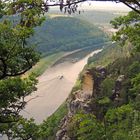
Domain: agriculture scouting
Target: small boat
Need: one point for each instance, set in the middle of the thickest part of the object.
(74, 60)
(61, 77)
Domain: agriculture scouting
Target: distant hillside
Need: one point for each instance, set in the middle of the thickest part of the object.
(66, 34)
(99, 17)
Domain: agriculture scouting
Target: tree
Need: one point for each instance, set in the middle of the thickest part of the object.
(128, 29)
(119, 123)
(136, 85)
(134, 69)
(17, 56)
(24, 130)
(70, 6)
(85, 126)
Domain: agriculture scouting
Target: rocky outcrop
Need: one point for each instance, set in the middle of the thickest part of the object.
(87, 83)
(80, 99)
(100, 74)
(116, 92)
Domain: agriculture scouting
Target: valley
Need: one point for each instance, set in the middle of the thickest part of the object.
(70, 49)
(70, 72)
(54, 86)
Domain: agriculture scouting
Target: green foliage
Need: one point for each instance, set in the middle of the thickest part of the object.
(85, 126)
(24, 129)
(15, 59)
(122, 135)
(136, 85)
(134, 69)
(107, 86)
(121, 122)
(129, 29)
(2, 5)
(118, 114)
(77, 86)
(104, 101)
(17, 56)
(72, 34)
(30, 12)
(110, 53)
(13, 91)
(50, 126)
(117, 102)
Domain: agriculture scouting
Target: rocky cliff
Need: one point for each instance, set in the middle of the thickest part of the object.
(80, 100)
(83, 99)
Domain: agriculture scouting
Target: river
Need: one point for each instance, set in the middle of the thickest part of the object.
(53, 88)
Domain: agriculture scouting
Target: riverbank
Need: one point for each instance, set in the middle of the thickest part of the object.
(53, 90)
(60, 57)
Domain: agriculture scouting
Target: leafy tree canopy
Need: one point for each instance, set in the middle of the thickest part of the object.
(128, 29)
(16, 57)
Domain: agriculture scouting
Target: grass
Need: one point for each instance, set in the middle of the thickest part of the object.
(44, 63)
(77, 85)
(50, 126)
(110, 54)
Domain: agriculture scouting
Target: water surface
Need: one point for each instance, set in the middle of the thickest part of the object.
(53, 88)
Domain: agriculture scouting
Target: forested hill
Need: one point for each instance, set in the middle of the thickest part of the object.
(66, 34)
(99, 17)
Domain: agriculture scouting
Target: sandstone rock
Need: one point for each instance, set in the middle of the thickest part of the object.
(60, 134)
(81, 98)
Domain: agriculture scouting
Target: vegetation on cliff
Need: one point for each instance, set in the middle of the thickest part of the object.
(112, 113)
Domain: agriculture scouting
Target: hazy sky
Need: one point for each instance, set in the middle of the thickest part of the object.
(105, 6)
(101, 6)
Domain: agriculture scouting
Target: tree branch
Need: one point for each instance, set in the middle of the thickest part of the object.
(4, 69)
(19, 73)
(123, 1)
(138, 11)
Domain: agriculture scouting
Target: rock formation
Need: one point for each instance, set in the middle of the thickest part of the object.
(81, 99)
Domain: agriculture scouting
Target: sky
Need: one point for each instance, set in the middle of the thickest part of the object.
(105, 6)
(96, 5)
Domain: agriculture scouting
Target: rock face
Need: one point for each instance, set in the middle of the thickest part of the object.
(80, 99)
(88, 83)
(99, 75)
(117, 90)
